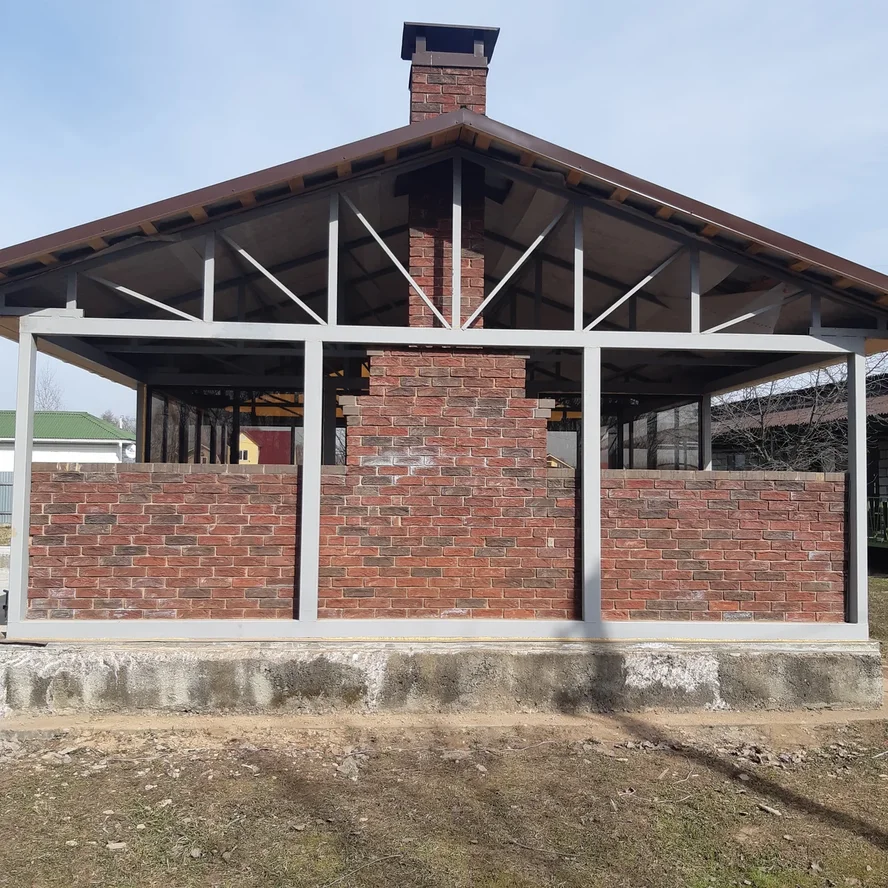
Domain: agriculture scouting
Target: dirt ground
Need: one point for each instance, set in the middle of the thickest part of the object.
(655, 801)
(616, 801)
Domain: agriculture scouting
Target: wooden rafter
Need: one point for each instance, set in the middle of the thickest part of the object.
(664, 213)
(710, 230)
(618, 195)
(574, 177)
(483, 142)
(199, 214)
(148, 228)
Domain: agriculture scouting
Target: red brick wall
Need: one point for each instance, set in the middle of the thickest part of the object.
(163, 541)
(446, 507)
(723, 546)
(435, 90)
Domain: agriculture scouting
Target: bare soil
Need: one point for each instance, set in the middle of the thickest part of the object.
(616, 801)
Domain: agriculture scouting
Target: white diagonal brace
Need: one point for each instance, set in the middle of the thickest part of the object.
(385, 249)
(141, 297)
(639, 286)
(264, 271)
(514, 269)
(779, 303)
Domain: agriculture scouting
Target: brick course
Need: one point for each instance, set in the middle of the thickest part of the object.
(435, 90)
(446, 506)
(723, 546)
(163, 541)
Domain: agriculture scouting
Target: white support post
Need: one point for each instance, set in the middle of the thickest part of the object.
(309, 530)
(209, 276)
(333, 261)
(141, 416)
(816, 322)
(857, 604)
(578, 267)
(705, 430)
(456, 248)
(695, 289)
(590, 520)
(21, 479)
(71, 291)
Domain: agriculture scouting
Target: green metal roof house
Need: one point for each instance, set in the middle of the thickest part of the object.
(66, 436)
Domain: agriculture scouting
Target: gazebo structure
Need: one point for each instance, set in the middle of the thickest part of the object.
(591, 317)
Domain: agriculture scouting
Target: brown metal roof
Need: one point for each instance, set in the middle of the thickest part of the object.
(668, 208)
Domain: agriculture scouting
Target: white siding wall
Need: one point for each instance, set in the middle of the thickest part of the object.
(60, 453)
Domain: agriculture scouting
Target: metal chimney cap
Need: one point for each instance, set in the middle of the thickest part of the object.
(462, 46)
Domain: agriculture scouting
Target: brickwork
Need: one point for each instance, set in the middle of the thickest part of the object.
(723, 546)
(163, 541)
(430, 258)
(436, 90)
(446, 507)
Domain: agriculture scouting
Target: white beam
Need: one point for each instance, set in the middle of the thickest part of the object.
(857, 601)
(310, 518)
(579, 279)
(21, 479)
(785, 299)
(71, 292)
(456, 248)
(209, 276)
(514, 269)
(694, 255)
(639, 286)
(333, 261)
(435, 336)
(269, 276)
(590, 498)
(453, 630)
(141, 297)
(394, 259)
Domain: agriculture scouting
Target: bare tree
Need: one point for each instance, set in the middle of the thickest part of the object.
(127, 423)
(793, 424)
(48, 391)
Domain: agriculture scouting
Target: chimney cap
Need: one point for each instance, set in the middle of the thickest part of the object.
(459, 46)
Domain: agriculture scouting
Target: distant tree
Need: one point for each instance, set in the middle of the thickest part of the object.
(127, 423)
(48, 391)
(794, 424)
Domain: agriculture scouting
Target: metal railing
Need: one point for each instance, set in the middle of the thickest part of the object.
(877, 521)
(5, 497)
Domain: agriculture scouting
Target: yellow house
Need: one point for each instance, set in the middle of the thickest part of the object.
(249, 450)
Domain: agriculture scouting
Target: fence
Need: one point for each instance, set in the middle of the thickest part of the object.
(5, 497)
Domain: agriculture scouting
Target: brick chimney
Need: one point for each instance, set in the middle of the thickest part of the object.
(448, 71)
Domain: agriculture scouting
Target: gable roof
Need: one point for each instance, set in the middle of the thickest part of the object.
(665, 208)
(66, 425)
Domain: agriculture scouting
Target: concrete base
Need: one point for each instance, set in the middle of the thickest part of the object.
(436, 677)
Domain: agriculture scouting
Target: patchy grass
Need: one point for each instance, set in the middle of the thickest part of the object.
(479, 807)
(5, 534)
(878, 611)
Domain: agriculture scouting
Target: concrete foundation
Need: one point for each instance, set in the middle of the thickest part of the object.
(435, 677)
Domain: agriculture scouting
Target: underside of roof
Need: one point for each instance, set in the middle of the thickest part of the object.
(276, 223)
(464, 127)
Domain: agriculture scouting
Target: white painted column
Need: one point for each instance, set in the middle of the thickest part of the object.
(209, 278)
(310, 531)
(456, 248)
(141, 420)
(857, 602)
(705, 432)
(578, 267)
(333, 261)
(21, 479)
(694, 258)
(590, 519)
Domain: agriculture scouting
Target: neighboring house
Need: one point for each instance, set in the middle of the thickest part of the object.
(248, 450)
(67, 436)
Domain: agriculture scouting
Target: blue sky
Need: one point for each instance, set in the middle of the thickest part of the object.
(773, 111)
